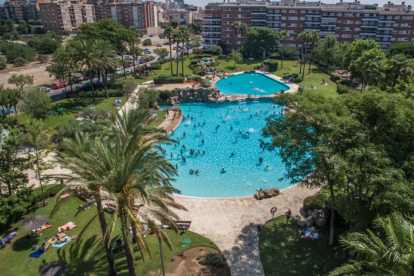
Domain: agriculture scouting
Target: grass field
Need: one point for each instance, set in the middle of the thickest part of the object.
(72, 111)
(83, 260)
(284, 251)
(160, 119)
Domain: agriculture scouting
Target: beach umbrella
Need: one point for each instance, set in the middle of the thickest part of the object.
(34, 222)
(55, 268)
(255, 90)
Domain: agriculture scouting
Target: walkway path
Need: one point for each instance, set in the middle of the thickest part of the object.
(232, 224)
(171, 122)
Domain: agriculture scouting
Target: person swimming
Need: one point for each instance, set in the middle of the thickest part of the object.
(176, 166)
(171, 154)
(194, 125)
(267, 167)
(236, 138)
(184, 134)
(251, 115)
(231, 128)
(175, 145)
(204, 151)
(196, 172)
(198, 123)
(223, 170)
(230, 82)
(184, 147)
(260, 159)
(232, 153)
(202, 141)
(191, 171)
(198, 151)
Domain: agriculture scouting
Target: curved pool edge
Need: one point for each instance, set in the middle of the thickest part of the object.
(293, 86)
(236, 197)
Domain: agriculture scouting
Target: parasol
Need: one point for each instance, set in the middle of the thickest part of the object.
(34, 222)
(55, 268)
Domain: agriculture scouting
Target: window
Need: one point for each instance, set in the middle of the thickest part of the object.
(349, 14)
(293, 11)
(338, 21)
(395, 17)
(395, 25)
(283, 25)
(404, 32)
(405, 25)
(348, 22)
(346, 36)
(230, 15)
(357, 29)
(284, 11)
(356, 36)
(302, 11)
(292, 18)
(394, 32)
(357, 22)
(224, 15)
(292, 25)
(249, 15)
(392, 39)
(248, 23)
(402, 39)
(407, 18)
(224, 35)
(283, 17)
(248, 9)
(337, 35)
(339, 14)
(302, 18)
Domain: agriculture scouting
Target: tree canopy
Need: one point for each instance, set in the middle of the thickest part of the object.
(261, 40)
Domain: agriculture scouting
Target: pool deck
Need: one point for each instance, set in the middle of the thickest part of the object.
(232, 223)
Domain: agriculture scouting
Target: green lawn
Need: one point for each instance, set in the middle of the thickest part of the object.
(72, 111)
(159, 120)
(284, 251)
(83, 260)
(314, 78)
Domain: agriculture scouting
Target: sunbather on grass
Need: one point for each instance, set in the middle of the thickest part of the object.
(66, 239)
(44, 247)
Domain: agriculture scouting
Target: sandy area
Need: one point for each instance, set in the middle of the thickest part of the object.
(172, 86)
(36, 69)
(186, 264)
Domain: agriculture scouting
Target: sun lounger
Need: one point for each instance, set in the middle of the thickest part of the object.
(64, 196)
(47, 225)
(9, 237)
(65, 227)
(37, 253)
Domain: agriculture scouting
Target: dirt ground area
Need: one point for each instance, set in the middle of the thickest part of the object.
(171, 86)
(36, 69)
(186, 264)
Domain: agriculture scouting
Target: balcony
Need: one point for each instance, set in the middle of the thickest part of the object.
(368, 32)
(274, 13)
(210, 24)
(369, 26)
(369, 18)
(329, 16)
(385, 28)
(313, 21)
(327, 31)
(312, 28)
(383, 42)
(256, 12)
(386, 20)
(314, 14)
(259, 19)
(211, 31)
(211, 18)
(384, 34)
(274, 20)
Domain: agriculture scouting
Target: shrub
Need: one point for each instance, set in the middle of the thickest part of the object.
(147, 42)
(274, 56)
(345, 82)
(69, 128)
(164, 95)
(197, 71)
(148, 97)
(162, 79)
(198, 52)
(257, 67)
(298, 79)
(201, 56)
(273, 64)
(317, 201)
(342, 89)
(301, 88)
(19, 61)
(3, 65)
(215, 50)
(221, 57)
(42, 58)
(154, 66)
(335, 77)
(327, 71)
(196, 78)
(209, 258)
(286, 77)
(102, 93)
(194, 61)
(205, 83)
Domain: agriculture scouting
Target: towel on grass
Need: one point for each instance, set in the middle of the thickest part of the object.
(47, 225)
(79, 107)
(9, 237)
(70, 224)
(61, 244)
(64, 196)
(315, 235)
(37, 253)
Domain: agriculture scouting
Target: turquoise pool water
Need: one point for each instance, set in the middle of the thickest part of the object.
(244, 84)
(244, 173)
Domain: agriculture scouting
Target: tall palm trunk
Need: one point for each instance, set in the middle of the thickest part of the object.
(235, 38)
(133, 56)
(71, 82)
(136, 237)
(283, 53)
(332, 223)
(169, 39)
(105, 80)
(394, 83)
(128, 250)
(91, 80)
(310, 61)
(182, 60)
(300, 64)
(304, 64)
(123, 65)
(107, 241)
(178, 59)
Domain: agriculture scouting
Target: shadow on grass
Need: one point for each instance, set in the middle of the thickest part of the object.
(23, 244)
(84, 260)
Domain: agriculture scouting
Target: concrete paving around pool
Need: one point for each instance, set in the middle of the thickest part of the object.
(232, 224)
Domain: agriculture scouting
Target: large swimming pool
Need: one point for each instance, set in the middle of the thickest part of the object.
(244, 84)
(212, 123)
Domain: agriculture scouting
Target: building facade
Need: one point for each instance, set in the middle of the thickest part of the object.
(65, 15)
(183, 17)
(346, 21)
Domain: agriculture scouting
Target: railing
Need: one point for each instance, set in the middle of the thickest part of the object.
(312, 21)
(316, 14)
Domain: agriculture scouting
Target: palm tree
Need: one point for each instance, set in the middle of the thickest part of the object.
(377, 71)
(85, 53)
(364, 63)
(242, 28)
(399, 66)
(169, 32)
(135, 40)
(106, 52)
(185, 37)
(284, 35)
(376, 255)
(305, 37)
(314, 38)
(235, 26)
(177, 37)
(76, 158)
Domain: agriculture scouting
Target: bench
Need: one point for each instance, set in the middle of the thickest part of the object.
(182, 224)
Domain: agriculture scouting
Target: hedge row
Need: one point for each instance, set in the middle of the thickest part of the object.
(169, 79)
(102, 93)
(194, 61)
(202, 56)
(273, 64)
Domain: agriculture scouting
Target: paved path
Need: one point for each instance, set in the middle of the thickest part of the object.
(232, 224)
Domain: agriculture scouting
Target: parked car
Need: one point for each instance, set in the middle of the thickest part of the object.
(42, 88)
(167, 43)
(119, 68)
(159, 58)
(151, 35)
(147, 49)
(159, 45)
(59, 85)
(141, 61)
(86, 84)
(147, 52)
(153, 57)
(128, 66)
(85, 78)
(127, 71)
(175, 47)
(129, 58)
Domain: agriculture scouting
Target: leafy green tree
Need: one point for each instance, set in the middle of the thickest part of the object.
(162, 52)
(261, 40)
(399, 67)
(169, 33)
(106, 54)
(12, 207)
(42, 58)
(11, 165)
(284, 35)
(177, 38)
(215, 50)
(173, 24)
(328, 52)
(236, 57)
(39, 22)
(185, 37)
(134, 41)
(365, 62)
(147, 42)
(196, 41)
(63, 65)
(405, 48)
(235, 27)
(20, 80)
(128, 87)
(38, 103)
(195, 27)
(19, 62)
(40, 148)
(13, 96)
(374, 254)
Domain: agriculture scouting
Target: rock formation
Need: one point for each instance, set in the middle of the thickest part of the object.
(185, 95)
(266, 193)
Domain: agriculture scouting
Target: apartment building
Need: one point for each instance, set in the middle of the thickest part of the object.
(183, 17)
(141, 15)
(346, 21)
(3, 13)
(21, 9)
(65, 15)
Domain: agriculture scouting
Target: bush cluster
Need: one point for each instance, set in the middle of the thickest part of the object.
(164, 95)
(335, 77)
(210, 258)
(204, 83)
(148, 97)
(273, 64)
(327, 71)
(163, 79)
(102, 93)
(342, 89)
(298, 79)
(202, 56)
(147, 42)
(194, 61)
(345, 82)
(19, 61)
